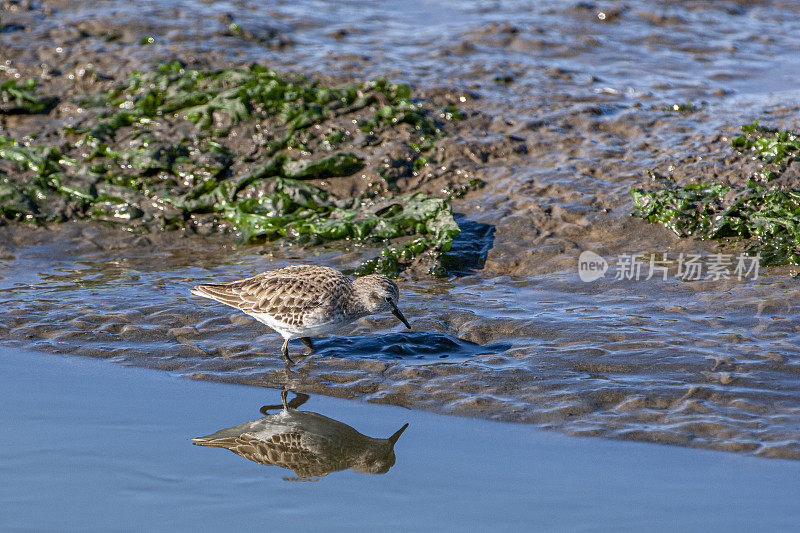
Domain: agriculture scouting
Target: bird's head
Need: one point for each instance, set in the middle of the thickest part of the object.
(379, 294)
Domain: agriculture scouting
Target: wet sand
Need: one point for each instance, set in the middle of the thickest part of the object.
(89, 446)
(567, 110)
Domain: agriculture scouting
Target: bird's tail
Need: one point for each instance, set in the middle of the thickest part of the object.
(220, 292)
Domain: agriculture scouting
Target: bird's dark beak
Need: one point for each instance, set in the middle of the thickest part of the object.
(393, 438)
(396, 312)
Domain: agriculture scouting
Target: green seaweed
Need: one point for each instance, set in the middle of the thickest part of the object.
(767, 216)
(15, 203)
(773, 147)
(118, 168)
(330, 166)
(43, 161)
(23, 98)
(300, 211)
(238, 94)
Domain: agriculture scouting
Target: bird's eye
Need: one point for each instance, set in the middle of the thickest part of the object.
(388, 299)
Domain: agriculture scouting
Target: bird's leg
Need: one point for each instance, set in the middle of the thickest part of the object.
(284, 395)
(265, 409)
(285, 351)
(299, 399)
(308, 344)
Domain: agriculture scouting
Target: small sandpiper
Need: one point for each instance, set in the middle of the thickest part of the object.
(310, 444)
(304, 301)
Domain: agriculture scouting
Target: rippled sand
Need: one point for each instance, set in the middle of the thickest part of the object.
(571, 110)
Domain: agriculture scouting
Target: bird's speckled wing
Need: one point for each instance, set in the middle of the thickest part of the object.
(287, 450)
(292, 295)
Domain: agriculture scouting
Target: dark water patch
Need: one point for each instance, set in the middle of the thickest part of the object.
(413, 346)
(470, 247)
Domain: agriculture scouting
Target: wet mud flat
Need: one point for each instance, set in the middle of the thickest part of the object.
(559, 127)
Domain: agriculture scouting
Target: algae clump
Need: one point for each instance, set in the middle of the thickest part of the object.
(768, 216)
(118, 164)
(23, 98)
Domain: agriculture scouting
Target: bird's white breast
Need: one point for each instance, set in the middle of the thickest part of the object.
(310, 327)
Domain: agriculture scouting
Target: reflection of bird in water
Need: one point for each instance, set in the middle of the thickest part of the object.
(307, 443)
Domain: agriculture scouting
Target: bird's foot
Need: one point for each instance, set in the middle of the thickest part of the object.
(309, 344)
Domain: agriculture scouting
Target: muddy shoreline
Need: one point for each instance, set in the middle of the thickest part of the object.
(559, 127)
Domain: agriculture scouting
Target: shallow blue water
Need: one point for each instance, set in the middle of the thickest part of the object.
(88, 446)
